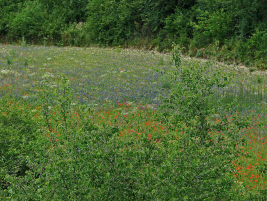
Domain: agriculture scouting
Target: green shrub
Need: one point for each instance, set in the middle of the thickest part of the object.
(70, 11)
(17, 132)
(216, 25)
(76, 34)
(177, 24)
(8, 10)
(109, 21)
(254, 49)
(189, 98)
(28, 23)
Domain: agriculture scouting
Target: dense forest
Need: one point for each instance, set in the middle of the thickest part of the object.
(226, 30)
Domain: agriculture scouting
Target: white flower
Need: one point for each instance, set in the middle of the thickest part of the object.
(47, 74)
(7, 72)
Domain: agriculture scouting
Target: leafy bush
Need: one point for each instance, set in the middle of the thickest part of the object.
(254, 49)
(189, 98)
(8, 9)
(109, 21)
(76, 34)
(71, 11)
(93, 163)
(216, 25)
(17, 132)
(178, 27)
(28, 23)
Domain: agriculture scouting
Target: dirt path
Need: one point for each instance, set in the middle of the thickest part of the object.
(167, 56)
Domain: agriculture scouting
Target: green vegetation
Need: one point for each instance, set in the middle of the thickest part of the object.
(114, 124)
(223, 30)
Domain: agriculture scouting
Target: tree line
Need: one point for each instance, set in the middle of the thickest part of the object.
(228, 30)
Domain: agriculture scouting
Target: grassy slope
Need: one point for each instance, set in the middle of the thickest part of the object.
(105, 77)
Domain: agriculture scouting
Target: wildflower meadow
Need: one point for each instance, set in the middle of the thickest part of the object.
(121, 124)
